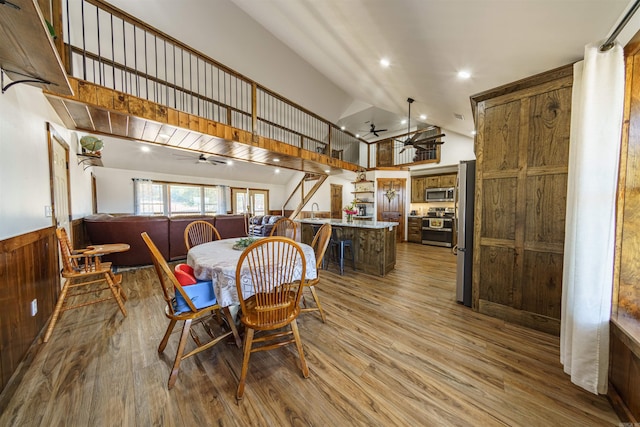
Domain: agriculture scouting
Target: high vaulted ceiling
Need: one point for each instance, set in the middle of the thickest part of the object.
(340, 43)
(427, 42)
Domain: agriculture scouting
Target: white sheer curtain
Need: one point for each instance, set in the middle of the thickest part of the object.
(142, 195)
(223, 199)
(596, 123)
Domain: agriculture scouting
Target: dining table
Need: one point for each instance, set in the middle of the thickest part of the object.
(217, 261)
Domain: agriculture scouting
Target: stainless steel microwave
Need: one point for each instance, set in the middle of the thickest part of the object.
(439, 194)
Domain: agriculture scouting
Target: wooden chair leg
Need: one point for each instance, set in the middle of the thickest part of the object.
(165, 339)
(317, 300)
(56, 311)
(248, 341)
(176, 364)
(296, 335)
(117, 280)
(232, 325)
(116, 293)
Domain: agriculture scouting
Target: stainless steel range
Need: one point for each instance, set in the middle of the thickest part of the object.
(437, 227)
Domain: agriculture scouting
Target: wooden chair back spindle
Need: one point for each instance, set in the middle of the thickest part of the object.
(284, 227)
(199, 232)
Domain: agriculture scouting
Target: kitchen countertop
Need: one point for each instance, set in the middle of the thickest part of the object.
(354, 224)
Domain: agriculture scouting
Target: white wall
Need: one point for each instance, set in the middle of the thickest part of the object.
(24, 163)
(323, 196)
(115, 188)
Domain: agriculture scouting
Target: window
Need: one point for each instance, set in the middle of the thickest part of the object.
(172, 199)
(252, 201)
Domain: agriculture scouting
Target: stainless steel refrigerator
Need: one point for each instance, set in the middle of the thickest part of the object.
(466, 197)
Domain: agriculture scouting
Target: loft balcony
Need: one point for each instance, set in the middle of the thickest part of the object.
(129, 80)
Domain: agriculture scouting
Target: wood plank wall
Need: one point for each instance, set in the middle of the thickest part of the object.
(624, 349)
(522, 148)
(28, 271)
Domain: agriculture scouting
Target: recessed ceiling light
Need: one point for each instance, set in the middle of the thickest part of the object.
(327, 170)
(145, 149)
(403, 122)
(276, 159)
(473, 132)
(277, 171)
(384, 62)
(423, 117)
(464, 74)
(229, 162)
(357, 135)
(342, 127)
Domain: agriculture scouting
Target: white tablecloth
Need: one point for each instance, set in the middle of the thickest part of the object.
(217, 261)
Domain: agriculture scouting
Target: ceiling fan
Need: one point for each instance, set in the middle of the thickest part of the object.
(418, 140)
(202, 158)
(374, 131)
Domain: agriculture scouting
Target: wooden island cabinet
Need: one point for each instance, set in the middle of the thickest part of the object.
(374, 242)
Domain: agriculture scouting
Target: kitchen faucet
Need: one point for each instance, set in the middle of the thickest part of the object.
(313, 215)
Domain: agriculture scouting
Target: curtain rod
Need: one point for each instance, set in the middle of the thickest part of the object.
(608, 44)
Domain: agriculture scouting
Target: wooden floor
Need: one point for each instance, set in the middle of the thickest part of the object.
(395, 351)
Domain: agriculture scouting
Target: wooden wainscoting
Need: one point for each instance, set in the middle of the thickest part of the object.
(624, 372)
(79, 234)
(28, 271)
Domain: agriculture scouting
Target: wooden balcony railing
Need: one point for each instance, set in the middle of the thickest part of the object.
(105, 46)
(407, 150)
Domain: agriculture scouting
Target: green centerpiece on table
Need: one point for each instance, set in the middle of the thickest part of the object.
(242, 244)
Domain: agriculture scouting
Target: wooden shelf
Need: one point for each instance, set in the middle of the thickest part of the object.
(88, 160)
(27, 52)
(359, 192)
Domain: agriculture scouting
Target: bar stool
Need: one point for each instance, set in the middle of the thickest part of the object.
(338, 244)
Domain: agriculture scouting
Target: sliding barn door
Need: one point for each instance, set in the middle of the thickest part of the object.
(522, 149)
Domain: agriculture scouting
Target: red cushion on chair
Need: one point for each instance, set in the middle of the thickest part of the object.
(184, 274)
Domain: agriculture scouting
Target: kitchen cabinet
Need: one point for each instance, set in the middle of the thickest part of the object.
(522, 151)
(417, 189)
(420, 183)
(440, 181)
(448, 180)
(415, 229)
(432, 182)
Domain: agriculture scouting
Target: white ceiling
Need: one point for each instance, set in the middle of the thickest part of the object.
(128, 155)
(427, 43)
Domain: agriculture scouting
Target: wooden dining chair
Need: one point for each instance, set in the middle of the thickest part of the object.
(271, 267)
(284, 227)
(84, 274)
(189, 304)
(319, 245)
(199, 232)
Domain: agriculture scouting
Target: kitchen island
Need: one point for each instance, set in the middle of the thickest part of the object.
(374, 242)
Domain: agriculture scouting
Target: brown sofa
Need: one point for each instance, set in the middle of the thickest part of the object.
(127, 229)
(166, 233)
